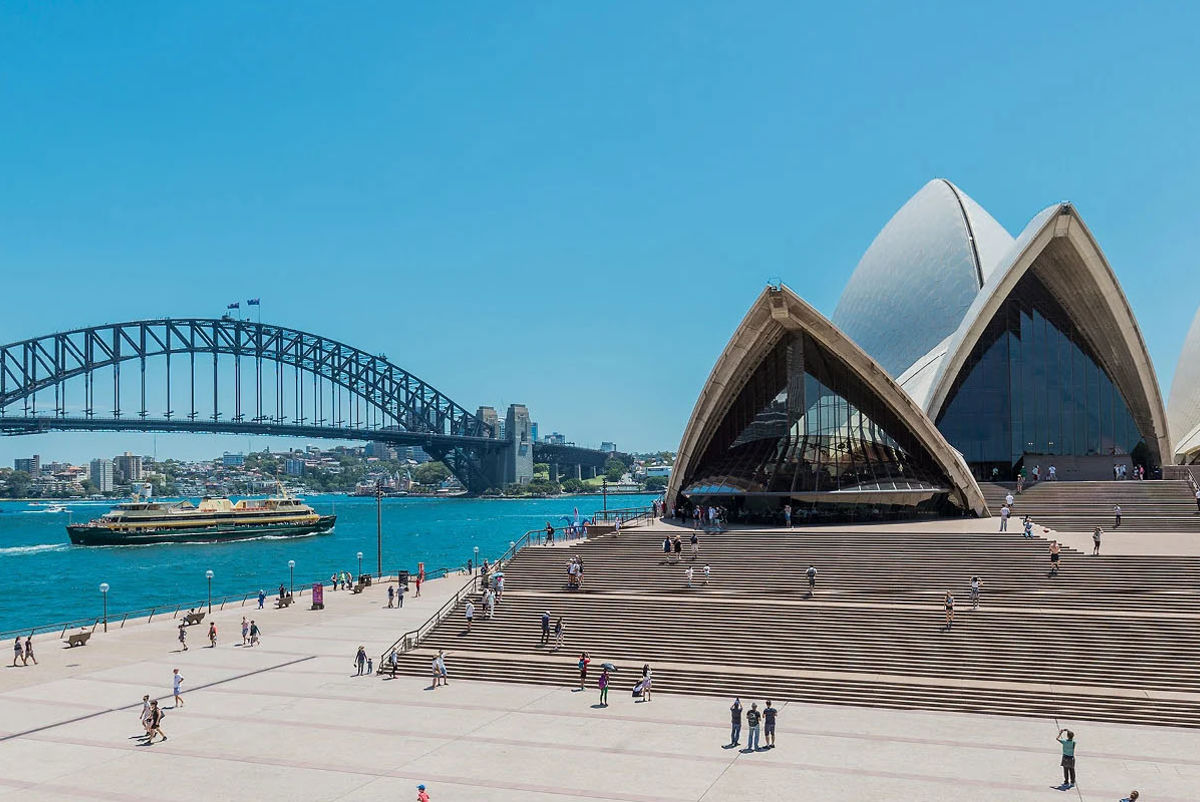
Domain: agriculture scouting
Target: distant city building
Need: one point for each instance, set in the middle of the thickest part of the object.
(556, 439)
(607, 446)
(380, 450)
(233, 460)
(31, 465)
(293, 467)
(488, 415)
(533, 432)
(127, 468)
(100, 471)
(658, 470)
(417, 454)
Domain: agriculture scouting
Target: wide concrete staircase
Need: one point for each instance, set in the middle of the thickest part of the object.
(1148, 506)
(1109, 638)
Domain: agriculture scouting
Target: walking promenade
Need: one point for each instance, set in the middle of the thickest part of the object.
(289, 719)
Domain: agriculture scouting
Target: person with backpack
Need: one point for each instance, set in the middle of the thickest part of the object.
(811, 573)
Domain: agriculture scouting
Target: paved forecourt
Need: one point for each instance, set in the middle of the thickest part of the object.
(289, 719)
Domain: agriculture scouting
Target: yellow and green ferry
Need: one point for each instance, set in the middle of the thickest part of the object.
(214, 519)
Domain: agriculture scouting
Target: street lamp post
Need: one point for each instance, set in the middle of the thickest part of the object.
(476, 558)
(604, 492)
(209, 575)
(104, 596)
(360, 563)
(291, 576)
(378, 530)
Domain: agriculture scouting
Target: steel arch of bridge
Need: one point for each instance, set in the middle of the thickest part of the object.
(399, 407)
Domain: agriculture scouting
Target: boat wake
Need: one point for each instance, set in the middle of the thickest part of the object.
(16, 551)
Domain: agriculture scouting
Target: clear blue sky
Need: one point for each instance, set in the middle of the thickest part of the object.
(561, 204)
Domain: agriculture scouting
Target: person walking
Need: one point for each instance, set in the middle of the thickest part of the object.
(689, 572)
(470, 613)
(559, 629)
(400, 586)
(1004, 513)
(1053, 476)
(360, 661)
(1117, 516)
(584, 659)
(753, 718)
(176, 689)
(1068, 758)
(1096, 535)
(976, 586)
(949, 603)
(144, 718)
(391, 597)
(647, 678)
(1055, 557)
(245, 631)
(1198, 501)
(254, 633)
(182, 637)
(602, 683)
(545, 628)
(1008, 499)
(667, 547)
(707, 571)
(735, 723)
(18, 651)
(769, 715)
(441, 667)
(811, 573)
(155, 725)
(212, 634)
(419, 580)
(422, 794)
(262, 598)
(695, 546)
(678, 544)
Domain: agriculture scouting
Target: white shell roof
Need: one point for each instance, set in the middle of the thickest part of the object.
(916, 280)
(1183, 406)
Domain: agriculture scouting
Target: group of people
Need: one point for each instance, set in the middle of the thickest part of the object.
(338, 580)
(759, 722)
(364, 664)
(250, 632)
(673, 547)
(575, 573)
(23, 651)
(559, 631)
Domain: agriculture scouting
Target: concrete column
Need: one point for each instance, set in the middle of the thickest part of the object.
(553, 471)
(591, 471)
(578, 471)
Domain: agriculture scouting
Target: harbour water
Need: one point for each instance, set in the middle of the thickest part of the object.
(49, 580)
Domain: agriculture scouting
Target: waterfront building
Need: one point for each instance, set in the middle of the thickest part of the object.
(658, 470)
(1016, 351)
(30, 465)
(1183, 407)
(127, 468)
(233, 460)
(100, 472)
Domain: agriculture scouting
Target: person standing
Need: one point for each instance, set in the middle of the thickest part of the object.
(176, 690)
(1055, 557)
(735, 724)
(695, 546)
(787, 515)
(667, 547)
(155, 727)
(145, 716)
(949, 602)
(603, 684)
(1068, 758)
(647, 678)
(262, 597)
(769, 714)
(545, 627)
(1004, 513)
(559, 629)
(1117, 516)
(1008, 499)
(391, 597)
(811, 573)
(584, 659)
(400, 586)
(212, 634)
(1096, 534)
(182, 637)
(976, 586)
(689, 572)
(441, 663)
(707, 571)
(245, 631)
(470, 613)
(420, 578)
(678, 549)
(29, 651)
(360, 661)
(254, 633)
(753, 718)
(18, 651)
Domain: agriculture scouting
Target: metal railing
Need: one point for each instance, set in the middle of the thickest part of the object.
(411, 639)
(627, 516)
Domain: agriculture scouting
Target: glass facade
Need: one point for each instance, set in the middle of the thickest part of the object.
(805, 423)
(1033, 386)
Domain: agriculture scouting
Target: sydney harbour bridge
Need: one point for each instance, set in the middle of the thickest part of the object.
(223, 375)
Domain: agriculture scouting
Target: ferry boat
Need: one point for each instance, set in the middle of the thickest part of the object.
(216, 518)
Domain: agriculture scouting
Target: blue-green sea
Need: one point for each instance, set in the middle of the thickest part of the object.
(48, 580)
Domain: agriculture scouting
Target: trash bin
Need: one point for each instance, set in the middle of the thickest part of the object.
(402, 578)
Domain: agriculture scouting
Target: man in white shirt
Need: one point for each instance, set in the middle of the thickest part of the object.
(1004, 513)
(470, 614)
(1008, 500)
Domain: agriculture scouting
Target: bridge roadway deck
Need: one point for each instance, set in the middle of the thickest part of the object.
(288, 719)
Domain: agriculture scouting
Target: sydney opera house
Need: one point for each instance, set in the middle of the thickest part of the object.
(956, 354)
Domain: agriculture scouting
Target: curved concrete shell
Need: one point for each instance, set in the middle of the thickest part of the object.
(1183, 408)
(776, 314)
(920, 274)
(1057, 248)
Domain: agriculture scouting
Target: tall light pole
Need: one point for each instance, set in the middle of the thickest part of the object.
(476, 559)
(291, 576)
(360, 563)
(209, 575)
(378, 530)
(104, 596)
(604, 491)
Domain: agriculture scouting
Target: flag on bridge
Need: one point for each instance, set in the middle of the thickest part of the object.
(235, 305)
(252, 302)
